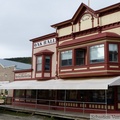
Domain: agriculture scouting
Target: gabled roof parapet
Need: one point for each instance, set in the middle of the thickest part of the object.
(82, 8)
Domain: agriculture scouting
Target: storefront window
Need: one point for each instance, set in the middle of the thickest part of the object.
(19, 93)
(43, 97)
(80, 56)
(39, 63)
(43, 94)
(31, 94)
(53, 94)
(97, 53)
(113, 52)
(66, 58)
(82, 96)
(61, 94)
(96, 96)
(110, 96)
(71, 95)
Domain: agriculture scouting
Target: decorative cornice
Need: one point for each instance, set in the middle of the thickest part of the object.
(90, 31)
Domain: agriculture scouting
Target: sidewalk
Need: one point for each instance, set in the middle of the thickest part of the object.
(60, 114)
(12, 117)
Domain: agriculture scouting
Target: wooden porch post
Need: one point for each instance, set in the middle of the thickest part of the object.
(65, 102)
(36, 99)
(106, 100)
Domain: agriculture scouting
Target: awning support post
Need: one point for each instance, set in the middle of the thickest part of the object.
(65, 102)
(106, 100)
(36, 99)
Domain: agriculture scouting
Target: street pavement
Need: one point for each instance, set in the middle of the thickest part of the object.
(12, 117)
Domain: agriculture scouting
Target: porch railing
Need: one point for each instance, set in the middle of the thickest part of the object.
(62, 105)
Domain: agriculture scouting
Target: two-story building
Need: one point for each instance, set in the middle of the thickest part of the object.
(77, 68)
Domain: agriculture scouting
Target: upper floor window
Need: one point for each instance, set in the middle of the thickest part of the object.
(47, 63)
(113, 52)
(80, 56)
(66, 58)
(39, 63)
(97, 53)
(43, 60)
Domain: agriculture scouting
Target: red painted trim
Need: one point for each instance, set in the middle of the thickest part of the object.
(43, 65)
(32, 60)
(25, 70)
(23, 79)
(57, 58)
(44, 52)
(109, 10)
(97, 74)
(79, 26)
(51, 66)
(92, 22)
(106, 50)
(100, 36)
(51, 35)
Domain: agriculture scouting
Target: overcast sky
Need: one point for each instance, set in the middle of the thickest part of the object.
(22, 20)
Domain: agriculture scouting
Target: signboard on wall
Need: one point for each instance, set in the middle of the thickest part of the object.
(44, 42)
(23, 75)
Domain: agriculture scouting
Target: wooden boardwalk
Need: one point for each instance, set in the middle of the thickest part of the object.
(52, 113)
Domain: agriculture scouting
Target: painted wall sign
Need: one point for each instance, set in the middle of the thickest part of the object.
(22, 75)
(45, 42)
(86, 17)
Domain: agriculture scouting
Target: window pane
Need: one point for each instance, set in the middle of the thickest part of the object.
(19, 93)
(113, 52)
(39, 63)
(39, 67)
(80, 57)
(31, 94)
(47, 63)
(66, 58)
(39, 59)
(97, 53)
(71, 95)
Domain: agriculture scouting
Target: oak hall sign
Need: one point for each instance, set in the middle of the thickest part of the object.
(45, 42)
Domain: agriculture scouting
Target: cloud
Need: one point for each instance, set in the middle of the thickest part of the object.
(22, 20)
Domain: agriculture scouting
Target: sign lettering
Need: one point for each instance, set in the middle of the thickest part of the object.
(45, 42)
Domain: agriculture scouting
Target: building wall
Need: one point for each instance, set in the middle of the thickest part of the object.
(65, 31)
(114, 30)
(52, 48)
(111, 18)
(7, 74)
